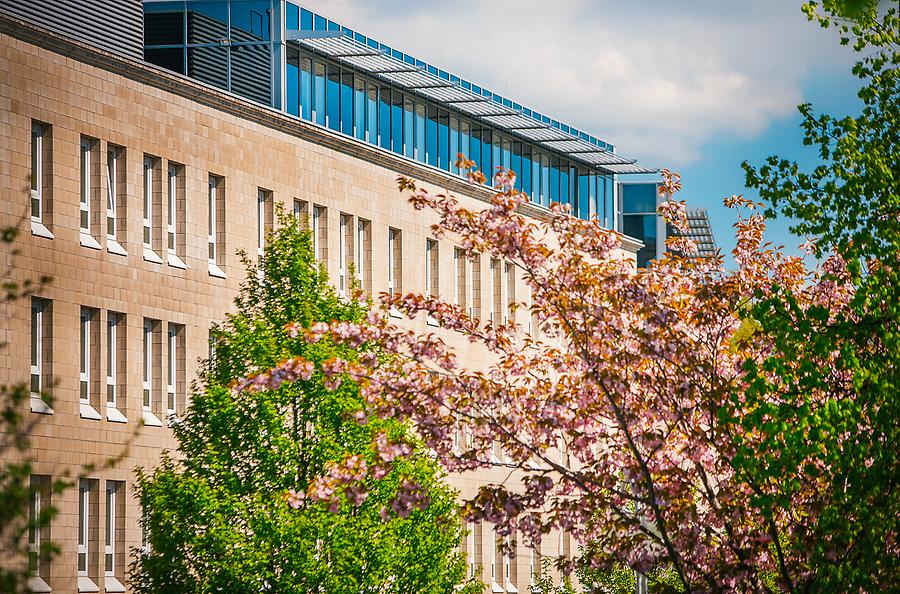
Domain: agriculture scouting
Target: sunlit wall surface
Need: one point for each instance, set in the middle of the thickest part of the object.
(239, 46)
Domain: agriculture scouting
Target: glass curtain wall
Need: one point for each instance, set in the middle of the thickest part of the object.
(225, 43)
(236, 45)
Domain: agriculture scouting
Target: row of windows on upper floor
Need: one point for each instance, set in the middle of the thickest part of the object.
(163, 224)
(345, 101)
(102, 367)
(103, 213)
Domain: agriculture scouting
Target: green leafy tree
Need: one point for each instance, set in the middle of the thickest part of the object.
(845, 445)
(242, 509)
(16, 559)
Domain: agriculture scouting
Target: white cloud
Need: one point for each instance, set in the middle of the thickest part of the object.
(658, 79)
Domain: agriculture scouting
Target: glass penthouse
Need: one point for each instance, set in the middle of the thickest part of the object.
(276, 53)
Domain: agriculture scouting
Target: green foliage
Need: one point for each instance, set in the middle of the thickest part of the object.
(845, 444)
(15, 465)
(217, 516)
(621, 579)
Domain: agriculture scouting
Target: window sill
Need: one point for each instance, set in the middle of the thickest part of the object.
(113, 415)
(496, 588)
(39, 406)
(88, 412)
(88, 241)
(431, 321)
(111, 584)
(510, 588)
(151, 420)
(176, 262)
(38, 585)
(86, 584)
(150, 256)
(172, 420)
(38, 229)
(215, 271)
(114, 247)
(395, 313)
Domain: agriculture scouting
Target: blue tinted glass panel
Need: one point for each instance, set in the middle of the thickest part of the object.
(372, 114)
(333, 99)
(347, 103)
(306, 20)
(306, 88)
(475, 147)
(444, 141)
(332, 26)
(454, 144)
(506, 152)
(209, 64)
(554, 180)
(527, 174)
(359, 108)
(251, 20)
(545, 180)
(206, 22)
(639, 197)
(319, 93)
(465, 138)
(431, 137)
(409, 128)
(496, 156)
(420, 132)
(384, 118)
(516, 165)
(487, 163)
(292, 17)
(584, 197)
(320, 23)
(565, 197)
(292, 83)
(397, 123)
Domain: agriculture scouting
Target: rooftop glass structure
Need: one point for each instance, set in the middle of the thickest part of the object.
(279, 54)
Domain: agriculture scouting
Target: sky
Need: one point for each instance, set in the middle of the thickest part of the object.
(696, 86)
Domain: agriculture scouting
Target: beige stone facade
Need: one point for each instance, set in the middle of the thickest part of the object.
(84, 100)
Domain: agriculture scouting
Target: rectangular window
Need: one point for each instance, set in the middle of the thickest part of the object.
(175, 215)
(40, 346)
(474, 286)
(345, 252)
(39, 531)
(432, 267)
(364, 254)
(264, 213)
(148, 204)
(40, 175)
(115, 365)
(174, 371)
(510, 273)
(319, 228)
(86, 521)
(113, 536)
(460, 281)
(89, 362)
(472, 551)
(395, 258)
(496, 292)
(115, 198)
(301, 213)
(85, 186)
(89, 191)
(151, 372)
(216, 226)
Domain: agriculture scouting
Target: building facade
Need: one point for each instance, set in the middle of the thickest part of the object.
(139, 180)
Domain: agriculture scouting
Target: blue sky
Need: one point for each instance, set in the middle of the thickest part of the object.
(696, 86)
